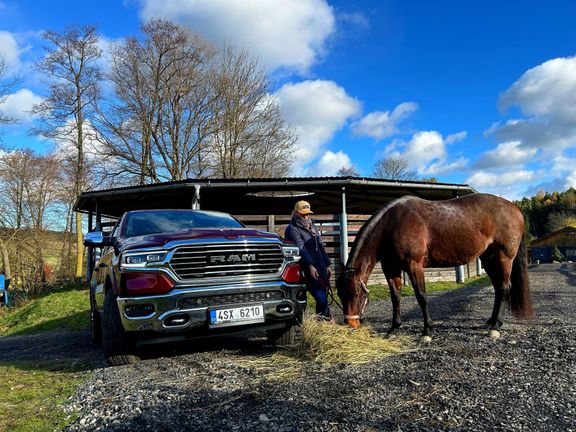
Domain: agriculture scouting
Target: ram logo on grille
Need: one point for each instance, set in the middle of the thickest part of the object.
(221, 259)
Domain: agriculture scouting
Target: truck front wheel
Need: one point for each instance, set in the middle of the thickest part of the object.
(117, 345)
(95, 322)
(288, 336)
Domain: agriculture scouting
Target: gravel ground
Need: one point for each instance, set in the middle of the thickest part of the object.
(462, 381)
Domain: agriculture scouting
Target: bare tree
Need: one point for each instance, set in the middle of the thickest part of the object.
(161, 116)
(350, 171)
(7, 84)
(252, 138)
(66, 112)
(29, 185)
(394, 168)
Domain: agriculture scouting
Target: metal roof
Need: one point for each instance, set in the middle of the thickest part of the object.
(567, 230)
(266, 196)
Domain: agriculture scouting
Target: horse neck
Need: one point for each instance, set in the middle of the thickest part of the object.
(364, 257)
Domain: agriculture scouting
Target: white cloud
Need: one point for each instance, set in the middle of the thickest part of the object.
(546, 94)
(316, 110)
(571, 180)
(456, 137)
(107, 46)
(282, 33)
(383, 124)
(18, 105)
(65, 147)
(330, 163)
(426, 152)
(546, 90)
(9, 50)
(483, 179)
(505, 154)
(545, 134)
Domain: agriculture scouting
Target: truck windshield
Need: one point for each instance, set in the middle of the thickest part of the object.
(154, 222)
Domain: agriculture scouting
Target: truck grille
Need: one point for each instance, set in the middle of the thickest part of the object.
(225, 260)
(217, 300)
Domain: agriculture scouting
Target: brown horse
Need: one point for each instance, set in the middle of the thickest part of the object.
(410, 234)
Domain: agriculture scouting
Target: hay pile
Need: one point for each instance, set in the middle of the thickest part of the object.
(326, 342)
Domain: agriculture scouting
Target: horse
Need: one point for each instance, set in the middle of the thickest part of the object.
(410, 234)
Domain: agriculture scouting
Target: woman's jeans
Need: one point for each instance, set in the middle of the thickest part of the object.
(318, 291)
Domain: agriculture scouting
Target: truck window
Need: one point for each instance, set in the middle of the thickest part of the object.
(154, 222)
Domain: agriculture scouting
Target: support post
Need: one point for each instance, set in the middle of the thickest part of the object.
(344, 230)
(271, 223)
(196, 199)
(98, 216)
(460, 274)
(478, 267)
(90, 251)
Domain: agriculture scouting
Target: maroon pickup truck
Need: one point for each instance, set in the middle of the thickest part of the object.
(165, 275)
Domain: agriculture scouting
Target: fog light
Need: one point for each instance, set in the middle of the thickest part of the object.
(138, 310)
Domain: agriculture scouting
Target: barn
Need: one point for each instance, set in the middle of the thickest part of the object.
(564, 239)
(341, 205)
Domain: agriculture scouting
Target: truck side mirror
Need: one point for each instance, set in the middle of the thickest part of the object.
(97, 239)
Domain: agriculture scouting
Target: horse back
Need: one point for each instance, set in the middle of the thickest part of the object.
(450, 232)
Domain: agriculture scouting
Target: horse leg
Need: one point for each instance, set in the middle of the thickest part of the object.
(416, 274)
(395, 286)
(499, 271)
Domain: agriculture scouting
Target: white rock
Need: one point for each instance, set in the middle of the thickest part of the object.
(494, 334)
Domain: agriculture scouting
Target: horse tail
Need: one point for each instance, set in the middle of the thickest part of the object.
(520, 302)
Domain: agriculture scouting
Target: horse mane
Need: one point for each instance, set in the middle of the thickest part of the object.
(369, 227)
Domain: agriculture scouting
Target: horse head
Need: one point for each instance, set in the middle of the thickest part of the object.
(353, 294)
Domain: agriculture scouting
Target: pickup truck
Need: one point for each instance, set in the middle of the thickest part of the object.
(165, 275)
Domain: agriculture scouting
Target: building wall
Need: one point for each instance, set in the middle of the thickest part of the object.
(544, 254)
(565, 240)
(562, 238)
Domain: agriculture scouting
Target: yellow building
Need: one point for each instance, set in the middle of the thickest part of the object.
(564, 239)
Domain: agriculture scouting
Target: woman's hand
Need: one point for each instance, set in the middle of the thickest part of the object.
(313, 272)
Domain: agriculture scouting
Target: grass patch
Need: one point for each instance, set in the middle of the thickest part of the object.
(33, 395)
(62, 309)
(382, 292)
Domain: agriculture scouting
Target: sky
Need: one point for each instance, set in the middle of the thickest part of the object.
(475, 92)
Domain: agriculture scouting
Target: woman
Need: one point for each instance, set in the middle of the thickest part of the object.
(313, 256)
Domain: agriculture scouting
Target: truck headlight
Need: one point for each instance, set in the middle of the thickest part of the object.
(142, 259)
(291, 253)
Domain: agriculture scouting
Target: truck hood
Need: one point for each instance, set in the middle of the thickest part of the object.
(226, 234)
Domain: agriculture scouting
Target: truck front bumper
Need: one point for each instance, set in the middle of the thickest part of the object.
(188, 309)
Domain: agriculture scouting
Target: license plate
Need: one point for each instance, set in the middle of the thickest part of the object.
(236, 316)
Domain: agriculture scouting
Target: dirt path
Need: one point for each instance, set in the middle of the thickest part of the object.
(462, 381)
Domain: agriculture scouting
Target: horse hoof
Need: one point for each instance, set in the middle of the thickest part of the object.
(425, 339)
(494, 334)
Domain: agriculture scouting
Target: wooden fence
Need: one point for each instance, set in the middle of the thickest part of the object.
(329, 227)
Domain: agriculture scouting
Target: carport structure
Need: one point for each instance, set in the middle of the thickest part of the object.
(336, 198)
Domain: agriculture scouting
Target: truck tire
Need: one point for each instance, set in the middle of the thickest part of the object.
(95, 323)
(288, 336)
(117, 345)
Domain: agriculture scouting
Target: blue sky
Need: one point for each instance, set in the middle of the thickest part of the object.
(482, 93)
